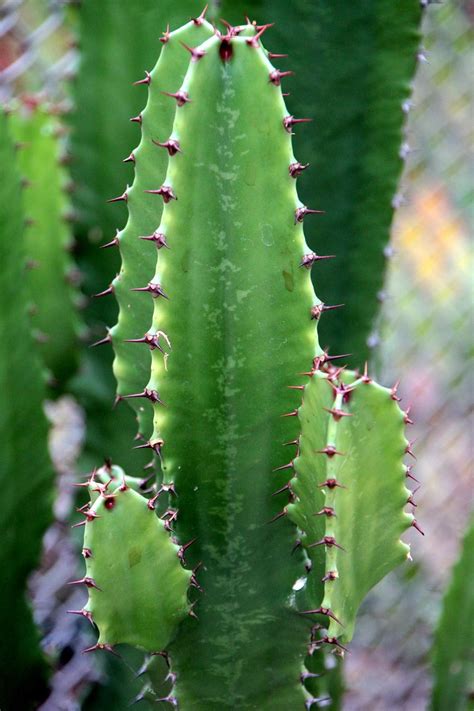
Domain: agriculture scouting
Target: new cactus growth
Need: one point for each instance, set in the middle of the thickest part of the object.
(232, 335)
(52, 277)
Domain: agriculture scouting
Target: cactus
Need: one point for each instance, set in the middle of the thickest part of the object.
(26, 477)
(48, 239)
(353, 66)
(235, 315)
(452, 653)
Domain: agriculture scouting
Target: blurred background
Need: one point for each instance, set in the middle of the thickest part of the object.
(424, 332)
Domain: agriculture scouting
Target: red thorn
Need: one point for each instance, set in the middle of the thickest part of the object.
(151, 339)
(103, 341)
(89, 582)
(137, 119)
(330, 450)
(416, 525)
(253, 41)
(106, 292)
(328, 541)
(171, 145)
(290, 121)
(317, 310)
(180, 96)
(83, 613)
(293, 441)
(158, 238)
(326, 511)
(130, 158)
(331, 484)
(336, 413)
(184, 548)
(308, 260)
(113, 243)
(167, 700)
(166, 35)
(301, 212)
(153, 288)
(273, 55)
(334, 641)
(284, 466)
(146, 80)
(409, 474)
(156, 446)
(295, 387)
(322, 611)
(200, 19)
(293, 413)
(408, 449)
(278, 515)
(287, 487)
(406, 416)
(87, 553)
(276, 76)
(165, 191)
(119, 198)
(393, 392)
(295, 169)
(151, 395)
(106, 647)
(330, 575)
(195, 52)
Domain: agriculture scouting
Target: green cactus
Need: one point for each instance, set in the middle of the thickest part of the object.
(233, 299)
(354, 64)
(48, 238)
(453, 664)
(26, 477)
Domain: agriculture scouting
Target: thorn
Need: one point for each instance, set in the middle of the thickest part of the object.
(409, 474)
(287, 487)
(406, 416)
(301, 212)
(184, 548)
(276, 76)
(157, 238)
(106, 647)
(330, 450)
(290, 121)
(195, 52)
(153, 288)
(393, 392)
(180, 96)
(293, 413)
(326, 511)
(171, 145)
(165, 191)
(151, 395)
(191, 612)
(316, 699)
(120, 198)
(282, 513)
(416, 525)
(90, 515)
(337, 413)
(146, 80)
(295, 387)
(130, 158)
(308, 260)
(365, 375)
(166, 35)
(113, 243)
(168, 700)
(156, 446)
(253, 41)
(331, 484)
(284, 466)
(106, 292)
(273, 55)
(295, 169)
(317, 310)
(322, 611)
(330, 575)
(293, 441)
(137, 119)
(408, 449)
(86, 553)
(83, 613)
(200, 19)
(152, 340)
(328, 541)
(89, 582)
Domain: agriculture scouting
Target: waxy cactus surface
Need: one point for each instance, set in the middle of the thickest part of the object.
(233, 319)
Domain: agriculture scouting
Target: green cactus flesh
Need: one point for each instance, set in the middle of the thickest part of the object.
(48, 239)
(26, 476)
(137, 585)
(233, 297)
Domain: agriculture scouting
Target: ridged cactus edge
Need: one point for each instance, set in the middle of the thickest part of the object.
(230, 316)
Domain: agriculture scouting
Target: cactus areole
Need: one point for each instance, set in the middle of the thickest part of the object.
(281, 488)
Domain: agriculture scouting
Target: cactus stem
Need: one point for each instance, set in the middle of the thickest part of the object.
(120, 198)
(295, 169)
(180, 96)
(151, 395)
(146, 80)
(171, 146)
(165, 191)
(331, 484)
(309, 259)
(195, 52)
(157, 238)
(89, 582)
(106, 292)
(276, 76)
(154, 289)
(301, 212)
